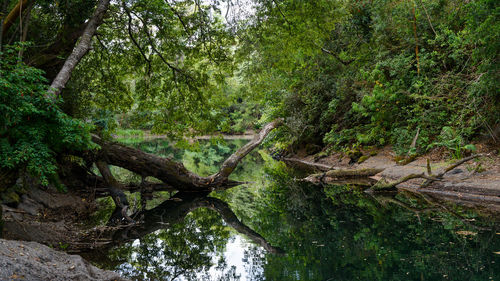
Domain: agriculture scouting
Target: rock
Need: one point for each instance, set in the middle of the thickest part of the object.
(1, 221)
(29, 206)
(34, 261)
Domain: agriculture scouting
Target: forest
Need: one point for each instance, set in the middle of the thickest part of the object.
(308, 80)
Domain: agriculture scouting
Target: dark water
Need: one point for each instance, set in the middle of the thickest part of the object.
(327, 233)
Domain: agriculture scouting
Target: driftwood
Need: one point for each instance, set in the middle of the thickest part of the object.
(383, 185)
(429, 178)
(344, 176)
(362, 176)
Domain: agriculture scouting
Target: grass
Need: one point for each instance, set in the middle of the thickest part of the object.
(129, 133)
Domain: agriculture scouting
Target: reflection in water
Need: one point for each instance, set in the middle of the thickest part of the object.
(330, 233)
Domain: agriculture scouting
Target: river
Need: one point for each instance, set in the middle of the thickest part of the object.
(304, 232)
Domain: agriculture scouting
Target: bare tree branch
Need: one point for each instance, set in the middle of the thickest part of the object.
(153, 47)
(136, 44)
(449, 168)
(230, 164)
(333, 54)
(179, 17)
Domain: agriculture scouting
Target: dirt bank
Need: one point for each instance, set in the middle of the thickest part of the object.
(47, 216)
(477, 180)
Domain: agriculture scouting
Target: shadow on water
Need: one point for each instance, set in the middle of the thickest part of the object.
(326, 233)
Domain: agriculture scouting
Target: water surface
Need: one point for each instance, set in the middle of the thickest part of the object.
(326, 233)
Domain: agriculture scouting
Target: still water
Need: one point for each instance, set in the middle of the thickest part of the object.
(298, 231)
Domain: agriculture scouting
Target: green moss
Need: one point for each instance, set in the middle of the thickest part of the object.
(363, 158)
(10, 197)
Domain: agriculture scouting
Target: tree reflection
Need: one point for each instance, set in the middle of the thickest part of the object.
(183, 236)
(340, 233)
(330, 233)
(188, 248)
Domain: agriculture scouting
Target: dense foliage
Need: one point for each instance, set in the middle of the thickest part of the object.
(375, 72)
(32, 127)
(340, 72)
(170, 78)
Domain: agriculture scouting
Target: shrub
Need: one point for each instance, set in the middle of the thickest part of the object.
(33, 129)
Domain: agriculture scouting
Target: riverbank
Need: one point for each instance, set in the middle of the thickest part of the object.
(475, 181)
(53, 218)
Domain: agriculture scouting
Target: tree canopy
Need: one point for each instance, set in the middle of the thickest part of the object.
(340, 73)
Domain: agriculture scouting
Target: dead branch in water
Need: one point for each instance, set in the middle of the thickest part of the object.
(339, 176)
(352, 176)
(429, 178)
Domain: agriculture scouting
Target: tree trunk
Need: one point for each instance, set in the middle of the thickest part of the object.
(13, 15)
(80, 49)
(174, 175)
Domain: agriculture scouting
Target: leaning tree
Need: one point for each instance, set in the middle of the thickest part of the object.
(169, 56)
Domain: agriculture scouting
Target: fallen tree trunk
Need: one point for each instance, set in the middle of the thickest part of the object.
(172, 173)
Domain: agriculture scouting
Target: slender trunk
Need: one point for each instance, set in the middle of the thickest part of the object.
(24, 31)
(79, 50)
(12, 16)
(416, 38)
(3, 11)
